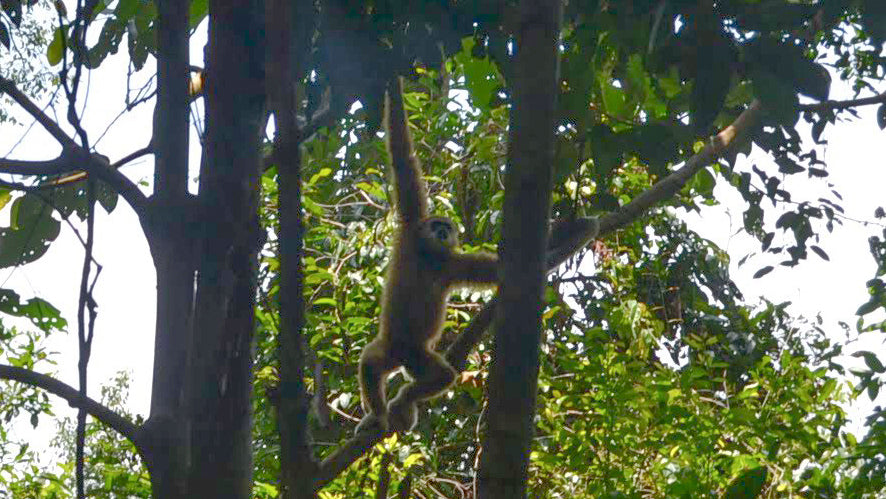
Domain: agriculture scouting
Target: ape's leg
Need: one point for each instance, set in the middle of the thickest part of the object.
(375, 364)
(431, 375)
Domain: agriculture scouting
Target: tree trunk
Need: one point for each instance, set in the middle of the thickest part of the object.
(287, 46)
(220, 374)
(513, 375)
(170, 240)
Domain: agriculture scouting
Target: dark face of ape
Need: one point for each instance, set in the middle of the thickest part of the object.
(438, 235)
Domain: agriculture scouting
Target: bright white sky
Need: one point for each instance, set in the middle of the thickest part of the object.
(125, 292)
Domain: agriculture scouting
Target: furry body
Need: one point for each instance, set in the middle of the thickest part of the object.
(424, 268)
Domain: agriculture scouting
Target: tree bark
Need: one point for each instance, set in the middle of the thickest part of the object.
(220, 373)
(170, 243)
(287, 46)
(513, 374)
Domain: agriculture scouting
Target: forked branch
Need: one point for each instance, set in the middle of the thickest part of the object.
(73, 157)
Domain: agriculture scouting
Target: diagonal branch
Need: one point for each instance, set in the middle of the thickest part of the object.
(717, 146)
(72, 154)
(457, 353)
(95, 409)
(8, 87)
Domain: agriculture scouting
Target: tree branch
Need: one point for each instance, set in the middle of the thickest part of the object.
(716, 147)
(95, 409)
(82, 175)
(578, 234)
(55, 166)
(839, 105)
(74, 159)
(100, 167)
(349, 452)
(72, 153)
(9, 88)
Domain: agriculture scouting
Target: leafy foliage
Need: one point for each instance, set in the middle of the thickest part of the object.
(113, 468)
(658, 378)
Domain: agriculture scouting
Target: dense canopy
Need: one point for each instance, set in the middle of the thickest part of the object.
(630, 365)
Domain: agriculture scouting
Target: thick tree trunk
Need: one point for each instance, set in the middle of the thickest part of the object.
(513, 375)
(170, 239)
(220, 377)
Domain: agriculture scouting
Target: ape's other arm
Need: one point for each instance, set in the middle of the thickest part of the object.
(409, 188)
(471, 269)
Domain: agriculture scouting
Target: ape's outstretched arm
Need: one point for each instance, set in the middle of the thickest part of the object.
(409, 188)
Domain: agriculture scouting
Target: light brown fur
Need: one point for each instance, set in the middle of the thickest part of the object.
(424, 268)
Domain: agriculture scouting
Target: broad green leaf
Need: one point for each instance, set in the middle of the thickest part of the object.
(871, 360)
(32, 229)
(37, 310)
(55, 49)
(5, 197)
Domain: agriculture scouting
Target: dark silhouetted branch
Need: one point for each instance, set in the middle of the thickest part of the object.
(9, 88)
(840, 105)
(121, 425)
(73, 157)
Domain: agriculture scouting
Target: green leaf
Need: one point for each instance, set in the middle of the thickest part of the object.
(788, 166)
(55, 50)
(100, 7)
(614, 99)
(881, 116)
(748, 485)
(820, 252)
(482, 78)
(873, 390)
(871, 360)
(5, 197)
(765, 270)
(819, 126)
(789, 64)
(372, 189)
(870, 306)
(199, 10)
(873, 20)
(32, 229)
(312, 207)
(106, 196)
(605, 151)
(37, 310)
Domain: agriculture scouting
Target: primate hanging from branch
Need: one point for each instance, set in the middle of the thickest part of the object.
(424, 268)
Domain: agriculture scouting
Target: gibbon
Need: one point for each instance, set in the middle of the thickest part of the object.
(424, 267)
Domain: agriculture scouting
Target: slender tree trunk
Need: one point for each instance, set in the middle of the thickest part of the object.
(170, 239)
(513, 375)
(287, 43)
(220, 374)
